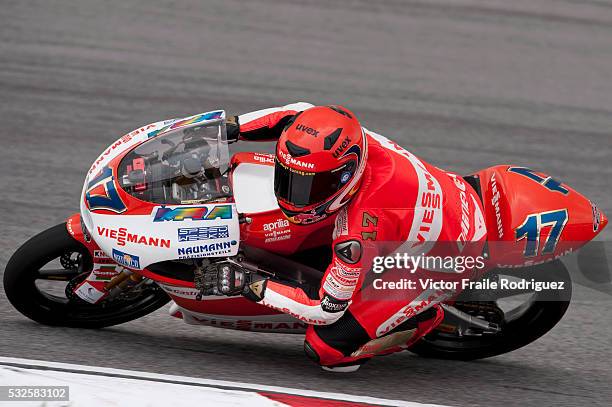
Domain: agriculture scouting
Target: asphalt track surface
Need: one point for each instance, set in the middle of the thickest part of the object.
(463, 84)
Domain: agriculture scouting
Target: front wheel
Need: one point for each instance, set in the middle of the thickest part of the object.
(523, 317)
(46, 267)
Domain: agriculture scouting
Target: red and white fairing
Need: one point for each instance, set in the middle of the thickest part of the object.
(133, 228)
(126, 236)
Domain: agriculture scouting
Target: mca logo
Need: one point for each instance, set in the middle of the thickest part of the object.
(101, 193)
(193, 212)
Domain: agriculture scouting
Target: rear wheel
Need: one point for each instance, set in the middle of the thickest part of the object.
(523, 317)
(39, 278)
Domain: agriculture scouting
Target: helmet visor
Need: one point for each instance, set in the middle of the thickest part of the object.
(301, 188)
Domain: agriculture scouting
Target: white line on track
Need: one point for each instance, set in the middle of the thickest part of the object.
(72, 369)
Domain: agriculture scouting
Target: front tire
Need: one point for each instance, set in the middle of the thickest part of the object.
(25, 268)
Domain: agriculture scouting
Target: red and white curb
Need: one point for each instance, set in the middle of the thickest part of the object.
(99, 386)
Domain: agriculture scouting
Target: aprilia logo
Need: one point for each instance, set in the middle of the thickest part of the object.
(307, 130)
(264, 158)
(280, 223)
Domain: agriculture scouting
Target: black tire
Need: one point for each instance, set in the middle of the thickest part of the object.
(21, 290)
(536, 318)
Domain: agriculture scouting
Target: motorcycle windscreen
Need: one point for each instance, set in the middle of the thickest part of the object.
(188, 165)
(301, 188)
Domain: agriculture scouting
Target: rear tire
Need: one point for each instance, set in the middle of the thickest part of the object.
(534, 321)
(21, 290)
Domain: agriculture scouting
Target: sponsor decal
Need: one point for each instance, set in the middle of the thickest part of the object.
(465, 212)
(183, 292)
(204, 250)
(596, 217)
(122, 141)
(341, 224)
(122, 236)
(277, 230)
(105, 273)
(345, 271)
(69, 226)
(99, 257)
(495, 202)
(345, 143)
(343, 279)
(289, 160)
(89, 293)
(278, 224)
(349, 251)
(277, 235)
(102, 194)
(307, 130)
(329, 304)
(339, 288)
(425, 300)
(431, 211)
(264, 158)
(203, 233)
(126, 259)
(165, 213)
(308, 217)
(177, 124)
(247, 325)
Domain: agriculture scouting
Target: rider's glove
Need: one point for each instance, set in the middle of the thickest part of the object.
(233, 129)
(233, 280)
(256, 288)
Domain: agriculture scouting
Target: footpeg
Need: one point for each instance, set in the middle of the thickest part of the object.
(468, 324)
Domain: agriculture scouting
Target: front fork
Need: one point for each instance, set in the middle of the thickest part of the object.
(107, 279)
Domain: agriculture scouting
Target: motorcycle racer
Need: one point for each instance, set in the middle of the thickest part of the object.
(384, 199)
(168, 214)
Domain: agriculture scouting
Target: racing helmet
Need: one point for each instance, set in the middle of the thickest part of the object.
(320, 159)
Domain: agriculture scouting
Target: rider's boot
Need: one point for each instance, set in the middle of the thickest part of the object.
(348, 357)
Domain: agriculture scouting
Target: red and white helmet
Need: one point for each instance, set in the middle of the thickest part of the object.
(320, 159)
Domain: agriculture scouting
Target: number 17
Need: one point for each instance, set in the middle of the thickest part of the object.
(532, 226)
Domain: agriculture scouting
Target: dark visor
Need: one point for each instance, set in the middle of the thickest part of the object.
(301, 188)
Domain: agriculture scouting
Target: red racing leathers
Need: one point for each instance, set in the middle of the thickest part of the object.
(404, 205)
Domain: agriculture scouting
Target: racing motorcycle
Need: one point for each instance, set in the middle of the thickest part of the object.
(166, 204)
